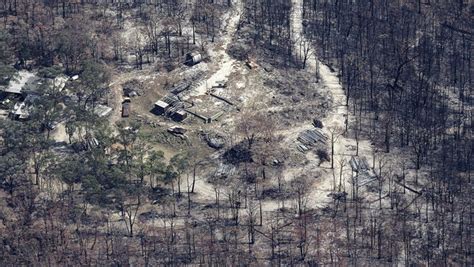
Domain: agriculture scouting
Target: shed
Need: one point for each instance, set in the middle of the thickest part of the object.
(161, 107)
(193, 58)
(126, 107)
(179, 115)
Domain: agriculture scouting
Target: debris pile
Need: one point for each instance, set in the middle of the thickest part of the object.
(220, 84)
(102, 110)
(364, 174)
(310, 138)
(214, 140)
(87, 144)
(251, 64)
(180, 87)
(132, 88)
(177, 131)
(359, 164)
(225, 170)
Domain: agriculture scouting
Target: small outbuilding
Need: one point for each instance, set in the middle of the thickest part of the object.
(179, 115)
(161, 107)
(126, 108)
(193, 58)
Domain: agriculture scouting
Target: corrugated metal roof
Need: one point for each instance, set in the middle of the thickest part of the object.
(161, 104)
(23, 80)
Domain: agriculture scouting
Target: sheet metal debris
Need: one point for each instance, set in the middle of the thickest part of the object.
(310, 138)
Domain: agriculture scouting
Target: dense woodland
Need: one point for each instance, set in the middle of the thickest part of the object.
(405, 66)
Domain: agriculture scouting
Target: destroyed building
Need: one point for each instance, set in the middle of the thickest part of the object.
(180, 87)
(310, 138)
(102, 110)
(363, 173)
(25, 82)
(22, 110)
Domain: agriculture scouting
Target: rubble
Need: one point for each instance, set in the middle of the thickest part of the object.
(87, 144)
(176, 130)
(309, 138)
(225, 170)
(102, 110)
(180, 87)
(364, 174)
(215, 141)
(132, 88)
(251, 64)
(359, 164)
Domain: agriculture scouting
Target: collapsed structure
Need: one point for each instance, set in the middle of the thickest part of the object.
(310, 138)
(363, 173)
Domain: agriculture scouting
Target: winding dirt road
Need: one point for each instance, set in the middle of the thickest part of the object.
(335, 119)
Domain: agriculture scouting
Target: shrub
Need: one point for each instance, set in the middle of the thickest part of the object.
(318, 124)
(323, 156)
